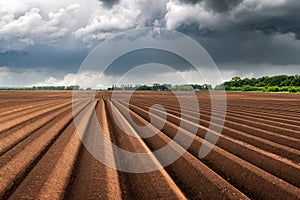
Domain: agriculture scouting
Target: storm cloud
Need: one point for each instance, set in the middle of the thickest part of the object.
(277, 16)
(144, 56)
(216, 5)
(240, 35)
(109, 3)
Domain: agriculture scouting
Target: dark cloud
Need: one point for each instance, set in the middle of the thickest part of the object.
(145, 56)
(282, 19)
(191, 1)
(269, 19)
(44, 56)
(216, 5)
(109, 3)
(252, 36)
(249, 47)
(242, 36)
(222, 6)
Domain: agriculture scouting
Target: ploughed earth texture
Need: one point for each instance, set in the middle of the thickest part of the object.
(256, 156)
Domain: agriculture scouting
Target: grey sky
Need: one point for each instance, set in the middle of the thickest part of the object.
(48, 40)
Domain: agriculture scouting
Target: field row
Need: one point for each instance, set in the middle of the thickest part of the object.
(257, 155)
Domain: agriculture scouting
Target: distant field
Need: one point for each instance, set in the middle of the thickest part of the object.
(257, 155)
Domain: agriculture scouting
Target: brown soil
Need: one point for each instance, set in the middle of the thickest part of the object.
(257, 155)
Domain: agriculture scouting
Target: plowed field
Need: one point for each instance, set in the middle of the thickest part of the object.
(257, 156)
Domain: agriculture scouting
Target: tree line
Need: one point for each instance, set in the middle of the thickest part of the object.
(72, 87)
(162, 87)
(279, 83)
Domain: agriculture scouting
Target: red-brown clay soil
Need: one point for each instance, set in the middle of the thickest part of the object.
(257, 155)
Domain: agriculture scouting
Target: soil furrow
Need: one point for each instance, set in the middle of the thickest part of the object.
(12, 138)
(264, 144)
(194, 178)
(159, 184)
(223, 161)
(17, 166)
(92, 179)
(272, 163)
(8, 124)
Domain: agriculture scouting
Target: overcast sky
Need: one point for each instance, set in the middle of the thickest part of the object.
(44, 42)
